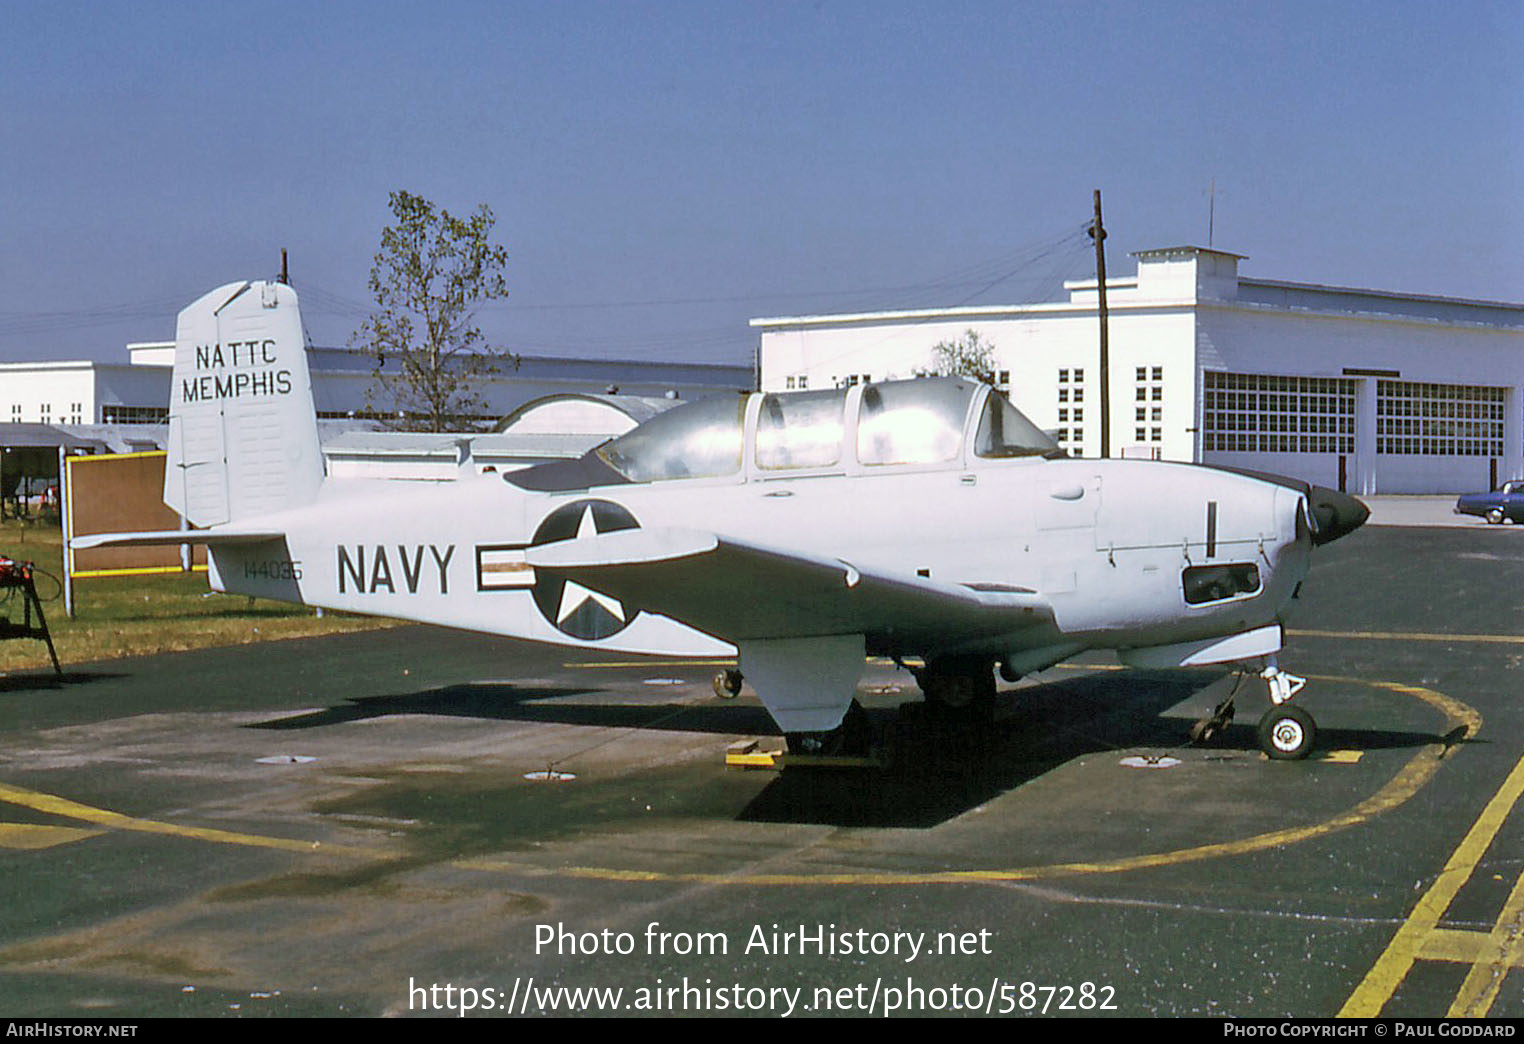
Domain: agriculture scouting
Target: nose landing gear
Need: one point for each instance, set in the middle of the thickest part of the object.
(1285, 733)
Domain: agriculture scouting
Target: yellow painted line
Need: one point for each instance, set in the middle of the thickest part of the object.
(1342, 757)
(1409, 636)
(95, 458)
(1454, 945)
(1417, 772)
(1413, 936)
(31, 836)
(1504, 951)
(60, 806)
(87, 574)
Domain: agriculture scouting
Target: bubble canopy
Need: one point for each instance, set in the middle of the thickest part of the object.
(916, 423)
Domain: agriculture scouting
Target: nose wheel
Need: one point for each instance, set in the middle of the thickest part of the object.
(1286, 733)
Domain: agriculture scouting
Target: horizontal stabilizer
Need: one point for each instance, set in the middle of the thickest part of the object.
(739, 591)
(171, 537)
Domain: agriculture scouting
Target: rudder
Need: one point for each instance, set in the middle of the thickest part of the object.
(243, 435)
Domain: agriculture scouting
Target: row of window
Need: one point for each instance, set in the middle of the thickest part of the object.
(1450, 420)
(134, 414)
(1263, 413)
(75, 415)
(1280, 422)
(1233, 442)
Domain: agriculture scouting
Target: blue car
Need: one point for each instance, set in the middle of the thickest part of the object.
(1503, 505)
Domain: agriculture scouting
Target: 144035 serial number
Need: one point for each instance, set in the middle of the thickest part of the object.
(273, 569)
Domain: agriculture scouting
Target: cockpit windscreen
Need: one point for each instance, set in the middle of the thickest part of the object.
(1004, 431)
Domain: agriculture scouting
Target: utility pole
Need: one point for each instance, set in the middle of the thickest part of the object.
(1211, 211)
(1098, 233)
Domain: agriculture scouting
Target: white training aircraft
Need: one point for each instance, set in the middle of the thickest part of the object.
(924, 520)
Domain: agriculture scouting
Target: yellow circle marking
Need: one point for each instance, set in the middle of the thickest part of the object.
(1418, 771)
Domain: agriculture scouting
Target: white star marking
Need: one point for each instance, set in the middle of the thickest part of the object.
(573, 595)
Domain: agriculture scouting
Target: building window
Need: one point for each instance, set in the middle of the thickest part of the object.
(788, 385)
(1069, 381)
(1149, 388)
(117, 414)
(1262, 413)
(804, 382)
(1450, 420)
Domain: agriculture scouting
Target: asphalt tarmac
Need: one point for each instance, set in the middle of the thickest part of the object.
(344, 826)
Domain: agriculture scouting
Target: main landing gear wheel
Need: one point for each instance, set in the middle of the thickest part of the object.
(1286, 733)
(853, 738)
(727, 684)
(959, 689)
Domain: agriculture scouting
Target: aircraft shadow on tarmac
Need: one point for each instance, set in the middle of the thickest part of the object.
(503, 701)
(934, 770)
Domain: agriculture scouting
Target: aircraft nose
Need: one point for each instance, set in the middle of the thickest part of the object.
(1334, 514)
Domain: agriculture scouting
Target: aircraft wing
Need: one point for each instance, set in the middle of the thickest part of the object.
(738, 591)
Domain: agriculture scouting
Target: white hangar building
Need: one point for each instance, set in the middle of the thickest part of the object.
(1361, 390)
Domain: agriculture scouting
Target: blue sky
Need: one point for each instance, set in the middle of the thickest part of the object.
(662, 172)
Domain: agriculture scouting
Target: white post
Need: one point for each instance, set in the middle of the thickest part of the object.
(66, 522)
(1365, 435)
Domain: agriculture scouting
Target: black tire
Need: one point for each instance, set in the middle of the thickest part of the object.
(1495, 516)
(727, 684)
(1287, 733)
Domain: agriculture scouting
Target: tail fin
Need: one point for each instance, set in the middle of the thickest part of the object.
(243, 435)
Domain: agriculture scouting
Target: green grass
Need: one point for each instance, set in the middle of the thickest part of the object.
(137, 615)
